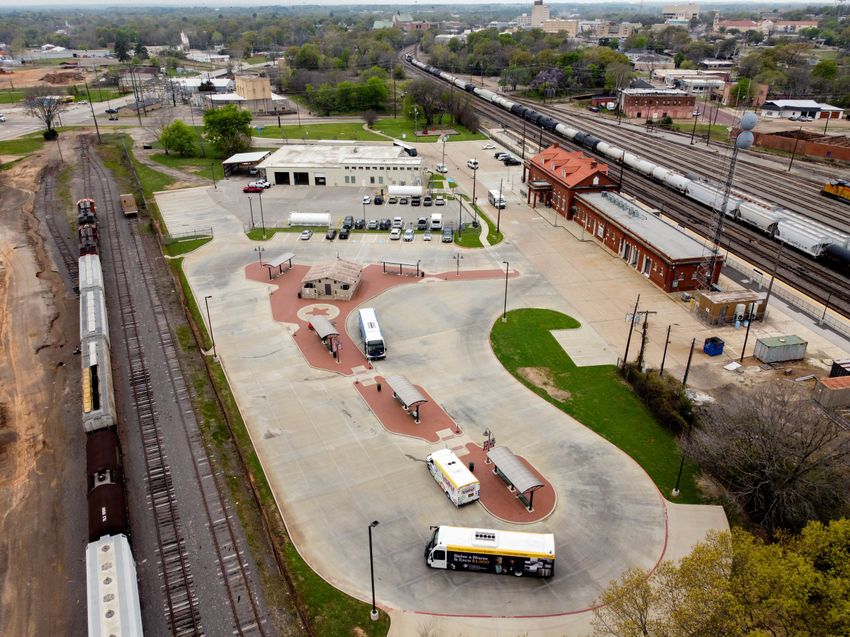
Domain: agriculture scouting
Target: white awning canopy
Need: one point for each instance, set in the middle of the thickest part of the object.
(404, 390)
(514, 469)
(324, 328)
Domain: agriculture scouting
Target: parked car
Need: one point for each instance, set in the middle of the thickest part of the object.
(426, 236)
(306, 234)
(593, 109)
(488, 147)
(794, 118)
(253, 188)
(398, 222)
(378, 200)
(373, 224)
(439, 200)
(511, 161)
(2, 117)
(448, 235)
(427, 201)
(402, 200)
(343, 234)
(395, 234)
(385, 224)
(392, 199)
(367, 199)
(331, 234)
(262, 183)
(501, 155)
(422, 223)
(110, 111)
(472, 163)
(361, 223)
(348, 222)
(408, 234)
(441, 168)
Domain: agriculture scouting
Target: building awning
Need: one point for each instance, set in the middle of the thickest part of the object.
(247, 158)
(324, 328)
(514, 470)
(539, 184)
(404, 390)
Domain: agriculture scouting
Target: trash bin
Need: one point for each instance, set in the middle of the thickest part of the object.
(472, 467)
(379, 386)
(713, 346)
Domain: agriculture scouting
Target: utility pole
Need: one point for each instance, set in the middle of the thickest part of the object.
(93, 116)
(664, 355)
(688, 366)
(794, 152)
(631, 329)
(645, 314)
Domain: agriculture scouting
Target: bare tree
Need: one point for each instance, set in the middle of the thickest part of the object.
(47, 108)
(370, 117)
(782, 457)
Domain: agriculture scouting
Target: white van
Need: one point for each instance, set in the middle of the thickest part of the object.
(456, 481)
(436, 221)
(472, 163)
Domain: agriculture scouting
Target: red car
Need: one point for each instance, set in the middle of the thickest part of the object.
(252, 188)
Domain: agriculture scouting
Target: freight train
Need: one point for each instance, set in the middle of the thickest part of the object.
(113, 594)
(837, 189)
(815, 239)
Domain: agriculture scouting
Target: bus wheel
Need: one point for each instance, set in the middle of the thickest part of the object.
(518, 572)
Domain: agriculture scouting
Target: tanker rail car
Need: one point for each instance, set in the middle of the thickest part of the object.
(815, 239)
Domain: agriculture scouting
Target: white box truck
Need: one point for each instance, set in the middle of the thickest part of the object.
(459, 483)
(436, 221)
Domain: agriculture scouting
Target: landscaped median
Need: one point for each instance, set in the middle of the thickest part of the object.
(596, 396)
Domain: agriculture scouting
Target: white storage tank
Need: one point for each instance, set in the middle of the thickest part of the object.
(310, 219)
(778, 349)
(404, 191)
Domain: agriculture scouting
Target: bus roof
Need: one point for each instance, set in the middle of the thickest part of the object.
(369, 321)
(453, 468)
(501, 542)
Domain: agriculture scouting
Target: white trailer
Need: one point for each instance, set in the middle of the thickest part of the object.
(310, 219)
(459, 483)
(405, 191)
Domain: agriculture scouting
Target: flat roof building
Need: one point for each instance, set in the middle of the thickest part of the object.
(654, 104)
(341, 164)
(659, 250)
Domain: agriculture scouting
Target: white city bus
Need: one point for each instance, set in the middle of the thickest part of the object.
(459, 483)
(370, 332)
(487, 551)
(496, 198)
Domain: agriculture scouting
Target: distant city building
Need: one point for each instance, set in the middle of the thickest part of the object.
(137, 78)
(253, 93)
(773, 26)
(570, 27)
(523, 21)
(539, 14)
(184, 42)
(680, 11)
(642, 61)
(701, 85)
(184, 88)
(800, 108)
(655, 103)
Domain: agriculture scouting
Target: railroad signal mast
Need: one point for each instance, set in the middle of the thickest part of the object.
(705, 271)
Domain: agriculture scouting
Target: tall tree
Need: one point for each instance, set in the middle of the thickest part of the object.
(46, 108)
(778, 454)
(228, 129)
(178, 137)
(122, 47)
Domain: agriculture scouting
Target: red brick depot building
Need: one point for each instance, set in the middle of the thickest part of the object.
(555, 175)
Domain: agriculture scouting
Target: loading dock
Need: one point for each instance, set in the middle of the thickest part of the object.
(514, 473)
(405, 393)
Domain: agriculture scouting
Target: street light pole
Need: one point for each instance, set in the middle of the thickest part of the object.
(415, 122)
(499, 207)
(694, 129)
(373, 615)
(251, 210)
(262, 219)
(259, 250)
(209, 321)
(474, 182)
(458, 257)
(505, 310)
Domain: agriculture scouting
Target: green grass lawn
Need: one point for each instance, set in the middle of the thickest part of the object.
(197, 165)
(96, 95)
(343, 130)
(403, 129)
(11, 96)
(718, 133)
(21, 146)
(599, 398)
(183, 247)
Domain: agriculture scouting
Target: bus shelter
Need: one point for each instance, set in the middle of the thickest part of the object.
(401, 263)
(405, 393)
(278, 263)
(328, 334)
(514, 473)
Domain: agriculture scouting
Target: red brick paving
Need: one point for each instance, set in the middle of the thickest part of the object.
(286, 304)
(495, 497)
(395, 420)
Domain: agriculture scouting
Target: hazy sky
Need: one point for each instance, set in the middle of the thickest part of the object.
(409, 4)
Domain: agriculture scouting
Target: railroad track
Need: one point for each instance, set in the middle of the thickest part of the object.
(761, 181)
(46, 202)
(181, 599)
(801, 272)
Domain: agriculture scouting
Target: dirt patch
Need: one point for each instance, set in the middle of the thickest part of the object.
(542, 377)
(32, 77)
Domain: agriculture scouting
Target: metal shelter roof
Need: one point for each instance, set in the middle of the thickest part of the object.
(279, 261)
(405, 391)
(514, 469)
(323, 327)
(244, 158)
